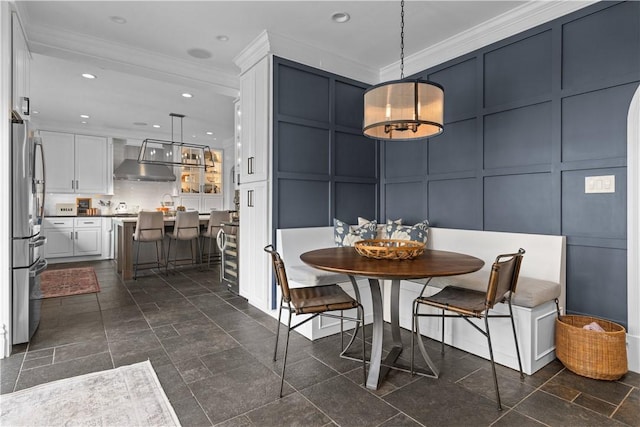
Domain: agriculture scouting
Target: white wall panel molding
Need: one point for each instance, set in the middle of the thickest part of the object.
(522, 18)
(76, 47)
(633, 233)
(5, 181)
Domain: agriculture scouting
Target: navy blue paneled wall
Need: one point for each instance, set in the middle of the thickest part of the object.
(526, 120)
(323, 167)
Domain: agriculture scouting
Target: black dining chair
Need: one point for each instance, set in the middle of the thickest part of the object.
(316, 301)
(467, 304)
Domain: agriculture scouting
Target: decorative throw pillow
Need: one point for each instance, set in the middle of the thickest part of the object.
(346, 235)
(417, 233)
(386, 232)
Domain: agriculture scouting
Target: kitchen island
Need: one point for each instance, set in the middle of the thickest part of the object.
(124, 249)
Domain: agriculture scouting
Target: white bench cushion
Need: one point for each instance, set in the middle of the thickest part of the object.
(529, 292)
(314, 277)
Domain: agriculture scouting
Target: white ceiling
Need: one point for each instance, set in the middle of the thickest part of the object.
(143, 65)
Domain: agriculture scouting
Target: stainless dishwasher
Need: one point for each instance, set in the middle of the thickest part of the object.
(227, 240)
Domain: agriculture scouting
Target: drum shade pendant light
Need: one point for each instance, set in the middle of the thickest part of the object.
(403, 110)
(172, 153)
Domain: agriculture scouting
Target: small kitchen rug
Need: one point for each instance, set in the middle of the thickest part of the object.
(126, 396)
(68, 281)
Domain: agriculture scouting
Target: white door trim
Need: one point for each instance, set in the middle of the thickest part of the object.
(633, 233)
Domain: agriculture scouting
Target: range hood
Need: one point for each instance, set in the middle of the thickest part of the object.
(131, 170)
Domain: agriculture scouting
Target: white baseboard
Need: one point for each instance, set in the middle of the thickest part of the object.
(633, 352)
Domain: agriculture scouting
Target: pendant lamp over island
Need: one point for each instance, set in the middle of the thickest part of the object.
(174, 153)
(403, 110)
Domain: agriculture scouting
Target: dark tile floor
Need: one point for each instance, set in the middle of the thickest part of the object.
(212, 352)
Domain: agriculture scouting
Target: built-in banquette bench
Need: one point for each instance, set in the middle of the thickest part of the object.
(542, 280)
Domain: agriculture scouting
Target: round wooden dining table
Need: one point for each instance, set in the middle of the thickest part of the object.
(432, 263)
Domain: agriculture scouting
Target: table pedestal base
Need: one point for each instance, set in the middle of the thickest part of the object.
(378, 368)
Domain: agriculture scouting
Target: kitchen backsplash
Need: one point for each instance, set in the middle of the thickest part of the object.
(140, 194)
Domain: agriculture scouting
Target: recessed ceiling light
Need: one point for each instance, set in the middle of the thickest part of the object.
(83, 122)
(140, 123)
(193, 136)
(88, 76)
(222, 38)
(84, 116)
(156, 126)
(209, 133)
(340, 17)
(118, 19)
(199, 53)
(187, 95)
(36, 112)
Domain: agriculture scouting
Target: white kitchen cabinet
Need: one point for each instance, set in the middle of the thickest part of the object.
(91, 164)
(76, 163)
(20, 69)
(59, 161)
(88, 236)
(59, 234)
(73, 237)
(254, 122)
(254, 284)
(203, 204)
(201, 189)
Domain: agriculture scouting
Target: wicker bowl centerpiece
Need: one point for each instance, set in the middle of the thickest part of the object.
(389, 248)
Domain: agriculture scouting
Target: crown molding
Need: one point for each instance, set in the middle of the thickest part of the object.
(253, 52)
(527, 16)
(77, 47)
(312, 56)
(275, 44)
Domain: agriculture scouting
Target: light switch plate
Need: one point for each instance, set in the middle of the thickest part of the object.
(600, 184)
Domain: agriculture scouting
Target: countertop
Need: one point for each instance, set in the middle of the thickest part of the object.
(132, 215)
(134, 219)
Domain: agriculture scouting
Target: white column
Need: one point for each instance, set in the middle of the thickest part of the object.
(633, 233)
(5, 179)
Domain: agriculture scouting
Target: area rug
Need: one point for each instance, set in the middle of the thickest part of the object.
(68, 281)
(126, 396)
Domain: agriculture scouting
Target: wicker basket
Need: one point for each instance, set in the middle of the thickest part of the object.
(389, 248)
(599, 355)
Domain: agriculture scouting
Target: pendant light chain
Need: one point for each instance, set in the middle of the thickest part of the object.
(401, 39)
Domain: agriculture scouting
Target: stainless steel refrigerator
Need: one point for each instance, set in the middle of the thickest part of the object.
(28, 260)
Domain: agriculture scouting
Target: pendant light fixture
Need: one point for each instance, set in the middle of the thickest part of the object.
(403, 110)
(172, 153)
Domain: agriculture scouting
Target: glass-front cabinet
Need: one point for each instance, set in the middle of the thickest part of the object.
(201, 188)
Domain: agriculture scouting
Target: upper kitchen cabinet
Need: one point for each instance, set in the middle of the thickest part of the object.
(200, 188)
(20, 63)
(77, 163)
(254, 122)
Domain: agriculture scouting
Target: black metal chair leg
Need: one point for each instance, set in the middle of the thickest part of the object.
(515, 339)
(157, 256)
(198, 252)
(442, 338)
(135, 267)
(164, 259)
(414, 319)
(364, 344)
(341, 330)
(166, 269)
(286, 350)
(275, 349)
(493, 363)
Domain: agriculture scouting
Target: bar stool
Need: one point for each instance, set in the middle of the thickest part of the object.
(211, 233)
(149, 228)
(187, 228)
